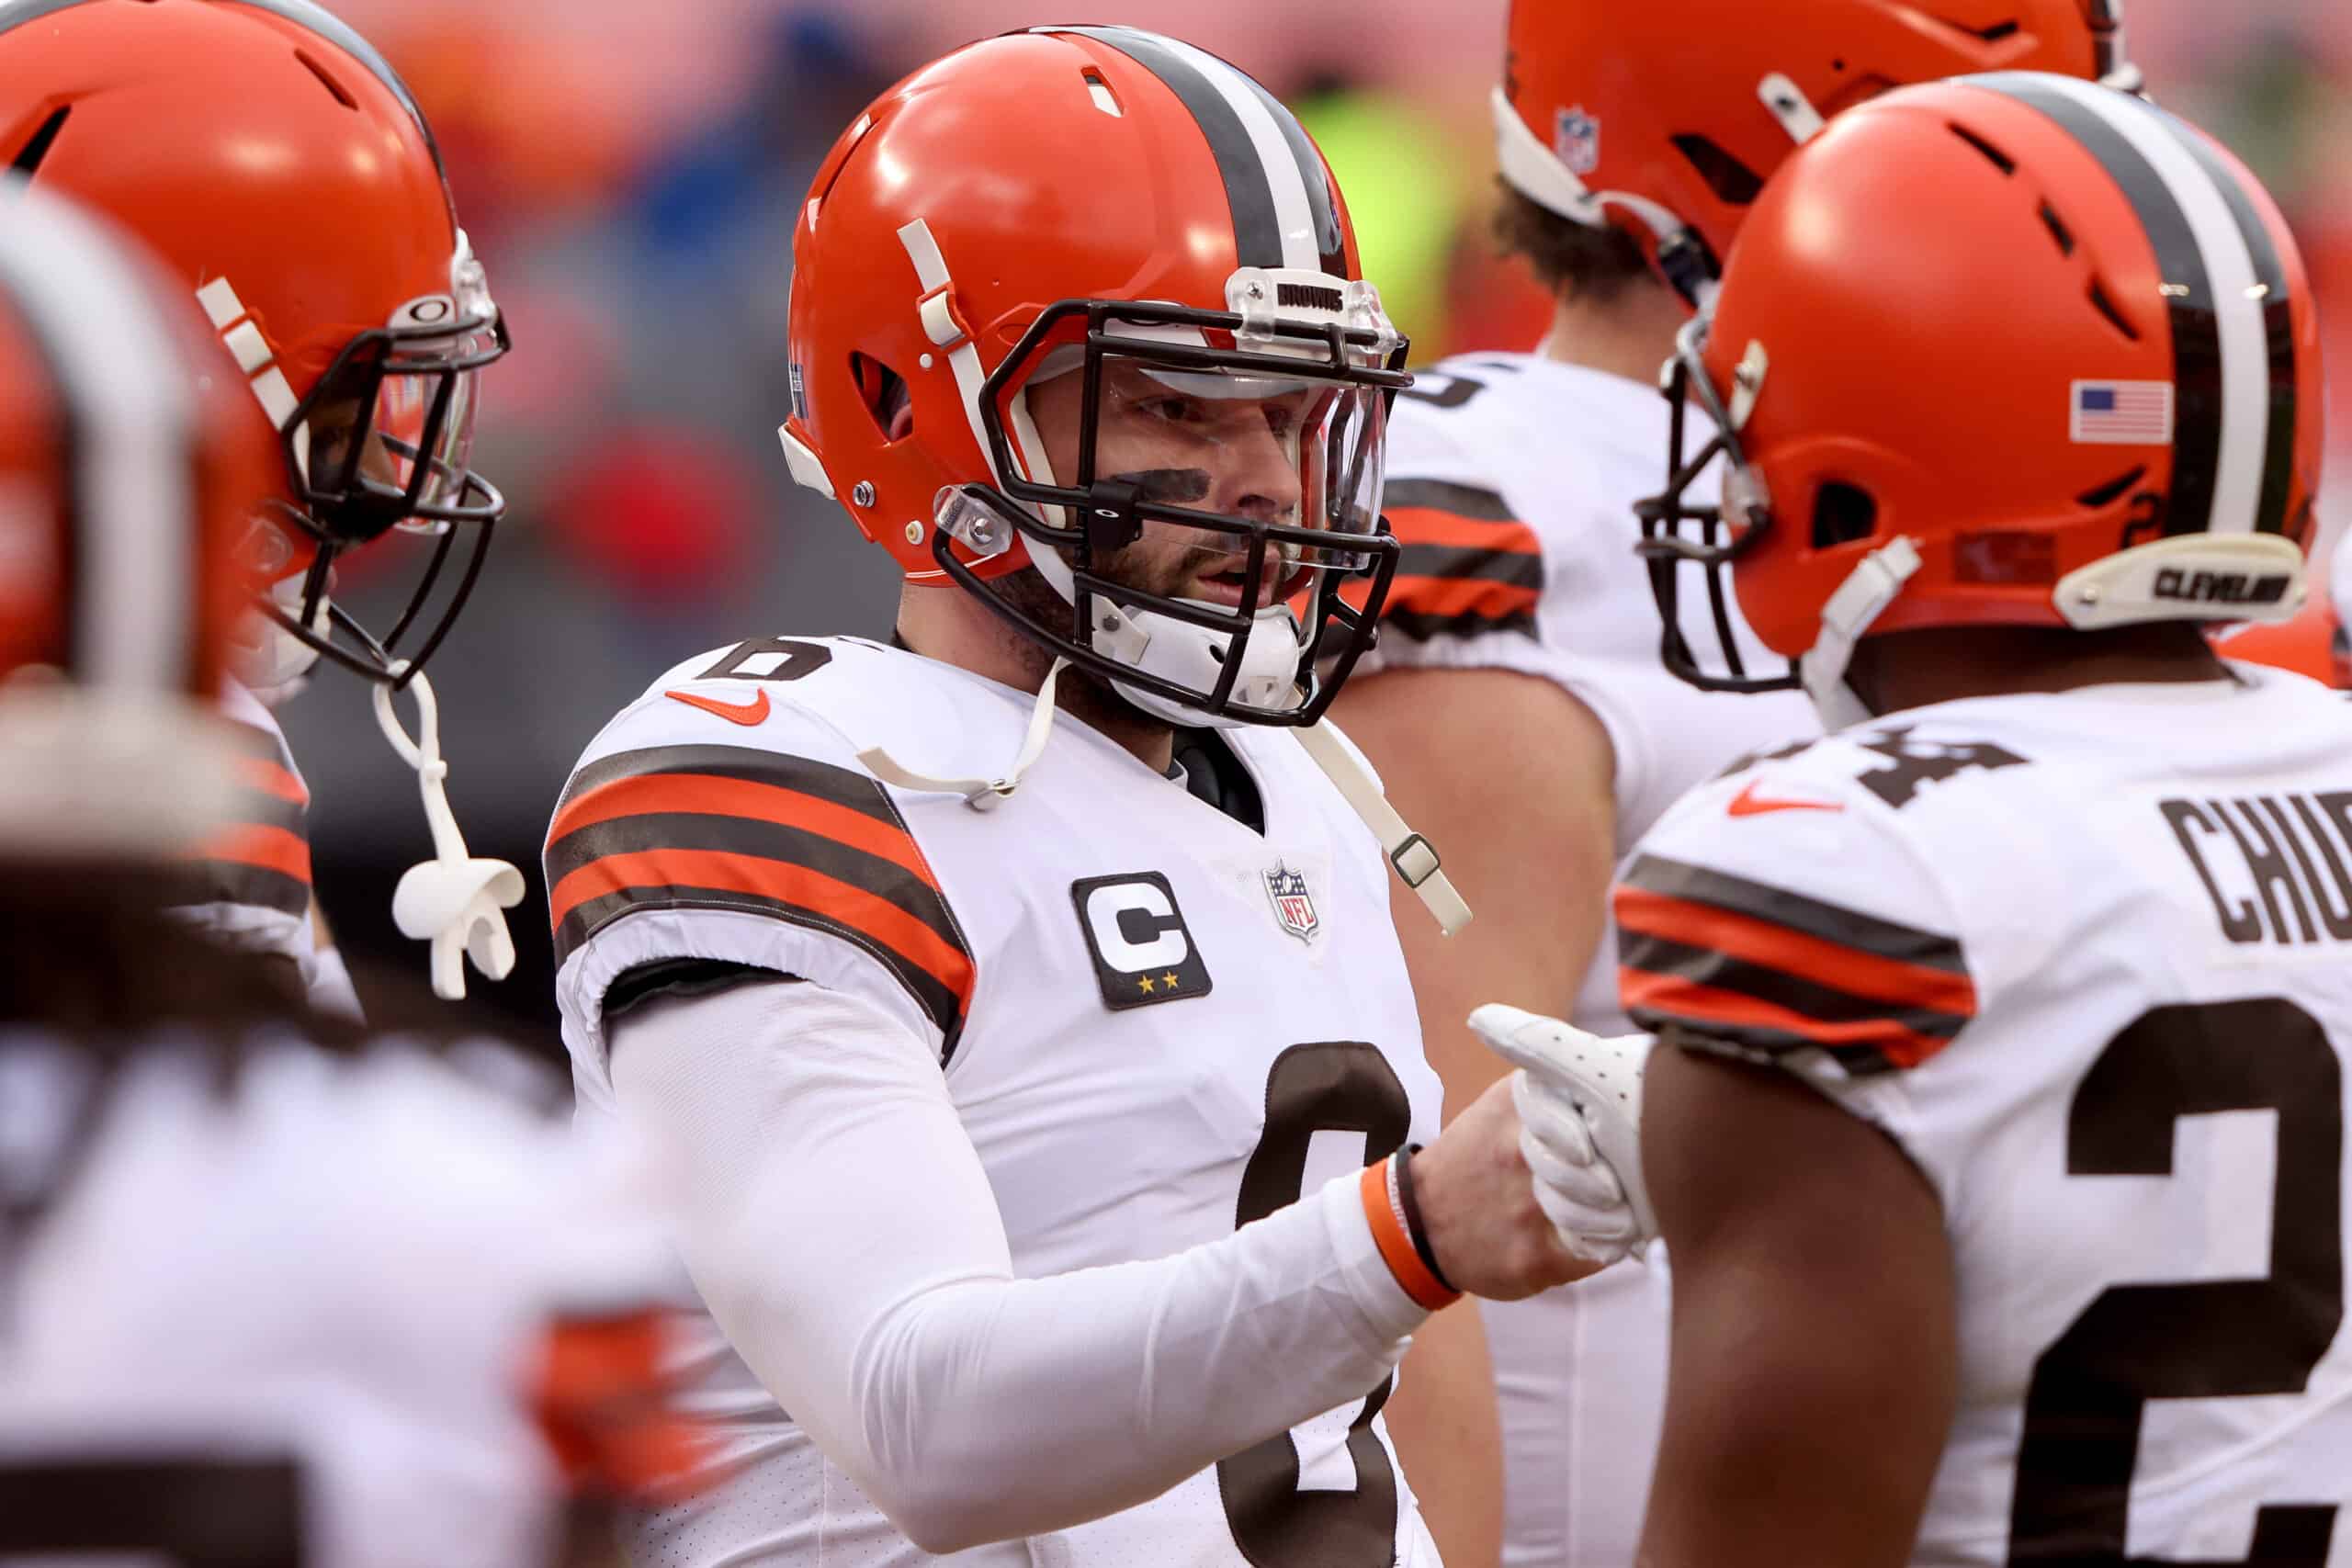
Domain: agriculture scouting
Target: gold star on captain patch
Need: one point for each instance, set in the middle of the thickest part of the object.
(1168, 979)
(1145, 982)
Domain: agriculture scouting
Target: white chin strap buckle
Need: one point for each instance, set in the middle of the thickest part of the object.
(1414, 858)
(455, 901)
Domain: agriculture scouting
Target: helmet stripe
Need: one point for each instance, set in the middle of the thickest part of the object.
(2279, 321)
(130, 453)
(1330, 247)
(1281, 216)
(2220, 340)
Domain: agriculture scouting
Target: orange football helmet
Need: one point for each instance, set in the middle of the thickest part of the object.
(125, 478)
(1112, 205)
(1665, 118)
(277, 166)
(2015, 350)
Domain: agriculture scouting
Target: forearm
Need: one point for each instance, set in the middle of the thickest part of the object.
(842, 1233)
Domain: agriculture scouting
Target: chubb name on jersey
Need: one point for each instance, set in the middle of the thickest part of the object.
(2083, 957)
(1156, 1023)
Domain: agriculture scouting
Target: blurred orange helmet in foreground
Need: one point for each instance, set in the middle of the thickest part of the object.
(276, 164)
(1109, 204)
(2012, 350)
(1667, 118)
(126, 473)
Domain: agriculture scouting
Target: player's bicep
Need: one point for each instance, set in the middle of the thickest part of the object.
(1812, 1379)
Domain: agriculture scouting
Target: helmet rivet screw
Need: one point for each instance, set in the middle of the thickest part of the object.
(925, 362)
(1110, 622)
(1257, 291)
(2088, 594)
(914, 533)
(864, 494)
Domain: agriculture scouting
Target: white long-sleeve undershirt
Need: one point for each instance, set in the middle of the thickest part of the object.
(840, 1227)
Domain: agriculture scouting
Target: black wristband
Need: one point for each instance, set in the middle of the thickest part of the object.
(1412, 1207)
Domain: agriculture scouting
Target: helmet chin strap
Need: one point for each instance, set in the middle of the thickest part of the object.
(455, 901)
(1868, 590)
(980, 795)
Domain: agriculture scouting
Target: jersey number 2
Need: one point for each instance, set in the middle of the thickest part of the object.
(1336, 1087)
(2208, 1340)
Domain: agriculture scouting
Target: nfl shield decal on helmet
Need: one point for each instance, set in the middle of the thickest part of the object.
(1294, 905)
(1576, 137)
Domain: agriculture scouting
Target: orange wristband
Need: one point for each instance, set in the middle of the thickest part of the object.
(1386, 1214)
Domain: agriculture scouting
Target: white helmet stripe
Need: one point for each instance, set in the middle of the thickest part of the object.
(131, 417)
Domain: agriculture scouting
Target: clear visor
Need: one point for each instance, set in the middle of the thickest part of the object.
(397, 420)
(1219, 459)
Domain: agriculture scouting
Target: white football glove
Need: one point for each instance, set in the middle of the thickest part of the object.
(1579, 1099)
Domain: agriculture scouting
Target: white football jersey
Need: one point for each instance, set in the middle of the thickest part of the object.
(2087, 958)
(322, 1295)
(1511, 484)
(1157, 1023)
(249, 886)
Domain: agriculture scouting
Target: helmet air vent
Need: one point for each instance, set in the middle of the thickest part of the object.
(327, 78)
(1731, 180)
(28, 158)
(1842, 514)
(1993, 155)
(2112, 491)
(2058, 229)
(2105, 306)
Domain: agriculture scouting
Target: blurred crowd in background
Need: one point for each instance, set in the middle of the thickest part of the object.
(629, 173)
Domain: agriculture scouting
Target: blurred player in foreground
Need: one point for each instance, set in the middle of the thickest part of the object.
(282, 171)
(1997, 1129)
(1052, 1113)
(1518, 707)
(269, 1293)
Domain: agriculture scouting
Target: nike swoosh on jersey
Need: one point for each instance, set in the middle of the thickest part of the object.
(1748, 803)
(754, 712)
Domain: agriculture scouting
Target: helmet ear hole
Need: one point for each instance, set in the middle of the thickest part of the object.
(1731, 180)
(883, 392)
(1842, 514)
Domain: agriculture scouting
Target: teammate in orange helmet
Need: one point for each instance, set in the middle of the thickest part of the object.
(1995, 1123)
(1516, 705)
(274, 161)
(403, 1315)
(1034, 973)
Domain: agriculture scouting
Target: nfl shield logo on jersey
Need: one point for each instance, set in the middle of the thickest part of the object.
(1576, 137)
(1294, 906)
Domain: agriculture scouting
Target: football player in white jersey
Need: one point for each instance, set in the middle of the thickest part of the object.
(269, 1293)
(1517, 707)
(1996, 1128)
(1022, 998)
(281, 170)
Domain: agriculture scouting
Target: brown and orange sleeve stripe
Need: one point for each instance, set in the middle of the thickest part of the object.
(738, 827)
(1468, 566)
(263, 858)
(1703, 953)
